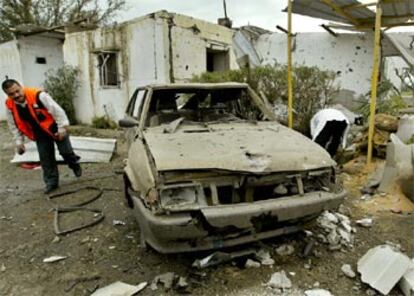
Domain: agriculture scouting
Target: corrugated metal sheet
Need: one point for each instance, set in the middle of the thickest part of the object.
(89, 149)
(318, 9)
(393, 12)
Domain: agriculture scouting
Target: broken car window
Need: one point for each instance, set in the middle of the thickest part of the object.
(197, 105)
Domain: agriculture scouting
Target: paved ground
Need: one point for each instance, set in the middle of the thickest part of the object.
(112, 253)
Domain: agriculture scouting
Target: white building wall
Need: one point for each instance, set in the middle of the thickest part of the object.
(9, 65)
(350, 55)
(32, 47)
(143, 47)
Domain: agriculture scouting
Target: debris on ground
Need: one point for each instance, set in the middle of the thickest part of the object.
(251, 263)
(285, 250)
(3, 268)
(382, 267)
(279, 280)
(120, 288)
(74, 281)
(337, 230)
(263, 256)
(347, 270)
(365, 222)
(406, 283)
(54, 259)
(118, 222)
(221, 257)
(170, 281)
(318, 292)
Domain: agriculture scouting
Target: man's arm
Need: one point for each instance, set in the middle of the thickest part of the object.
(56, 111)
(17, 135)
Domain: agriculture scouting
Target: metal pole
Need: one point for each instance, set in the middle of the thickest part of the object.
(289, 66)
(374, 82)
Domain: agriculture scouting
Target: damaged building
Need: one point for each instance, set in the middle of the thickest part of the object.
(161, 47)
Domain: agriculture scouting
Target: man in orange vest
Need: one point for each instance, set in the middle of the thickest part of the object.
(32, 113)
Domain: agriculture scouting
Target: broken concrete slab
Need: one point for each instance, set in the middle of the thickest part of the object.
(119, 289)
(406, 283)
(382, 267)
(318, 292)
(405, 128)
(89, 149)
(279, 280)
(399, 167)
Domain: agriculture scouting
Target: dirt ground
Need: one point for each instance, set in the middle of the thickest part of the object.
(111, 253)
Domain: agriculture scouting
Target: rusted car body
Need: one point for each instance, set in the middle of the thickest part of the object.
(210, 167)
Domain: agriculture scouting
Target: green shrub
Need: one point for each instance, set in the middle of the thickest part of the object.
(313, 88)
(62, 84)
(103, 122)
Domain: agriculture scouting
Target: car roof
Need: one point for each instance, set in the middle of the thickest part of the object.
(198, 85)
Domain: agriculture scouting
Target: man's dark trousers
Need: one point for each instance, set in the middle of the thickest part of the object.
(46, 149)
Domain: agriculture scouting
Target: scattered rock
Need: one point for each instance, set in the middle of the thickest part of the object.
(251, 263)
(281, 190)
(118, 222)
(167, 279)
(279, 280)
(54, 259)
(264, 257)
(366, 222)
(285, 250)
(3, 268)
(318, 292)
(347, 270)
(56, 239)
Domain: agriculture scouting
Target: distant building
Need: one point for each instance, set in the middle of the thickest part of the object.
(28, 57)
(160, 47)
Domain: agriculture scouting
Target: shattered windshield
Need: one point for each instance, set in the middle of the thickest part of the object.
(201, 105)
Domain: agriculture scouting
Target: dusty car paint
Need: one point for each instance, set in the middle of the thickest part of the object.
(206, 185)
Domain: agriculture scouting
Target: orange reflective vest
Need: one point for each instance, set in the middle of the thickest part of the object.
(36, 109)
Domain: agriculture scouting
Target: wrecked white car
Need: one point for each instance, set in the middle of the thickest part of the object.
(210, 167)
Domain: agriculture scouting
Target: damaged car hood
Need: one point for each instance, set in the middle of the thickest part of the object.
(243, 146)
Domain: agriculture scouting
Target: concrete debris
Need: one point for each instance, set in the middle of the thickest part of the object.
(119, 289)
(264, 257)
(285, 250)
(399, 168)
(318, 292)
(118, 222)
(182, 282)
(281, 190)
(382, 267)
(54, 259)
(406, 283)
(251, 263)
(55, 240)
(3, 268)
(337, 228)
(167, 279)
(89, 149)
(405, 128)
(221, 257)
(366, 222)
(347, 270)
(279, 280)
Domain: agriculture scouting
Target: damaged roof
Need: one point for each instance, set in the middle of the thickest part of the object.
(355, 13)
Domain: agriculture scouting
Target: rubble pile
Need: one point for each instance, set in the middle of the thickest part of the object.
(337, 230)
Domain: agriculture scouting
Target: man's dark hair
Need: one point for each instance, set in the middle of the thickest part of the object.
(8, 83)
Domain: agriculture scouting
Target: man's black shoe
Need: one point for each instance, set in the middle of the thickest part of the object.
(50, 188)
(77, 171)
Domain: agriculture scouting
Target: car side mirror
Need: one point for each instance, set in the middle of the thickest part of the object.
(127, 122)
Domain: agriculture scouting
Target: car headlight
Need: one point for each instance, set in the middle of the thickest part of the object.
(180, 197)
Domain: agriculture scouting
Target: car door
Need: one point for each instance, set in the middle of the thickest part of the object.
(133, 114)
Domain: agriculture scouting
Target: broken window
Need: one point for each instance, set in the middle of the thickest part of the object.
(217, 60)
(41, 60)
(108, 68)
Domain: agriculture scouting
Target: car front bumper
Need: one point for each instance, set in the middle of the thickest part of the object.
(215, 227)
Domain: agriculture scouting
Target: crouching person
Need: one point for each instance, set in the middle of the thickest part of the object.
(34, 114)
(329, 128)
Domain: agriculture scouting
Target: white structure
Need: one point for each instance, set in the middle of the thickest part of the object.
(28, 58)
(350, 55)
(157, 48)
